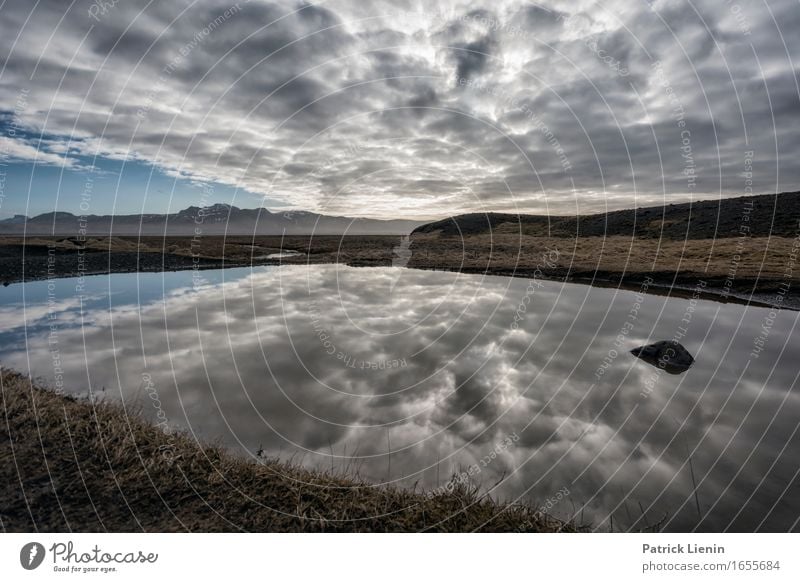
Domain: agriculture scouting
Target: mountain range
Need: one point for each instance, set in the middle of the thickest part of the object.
(216, 219)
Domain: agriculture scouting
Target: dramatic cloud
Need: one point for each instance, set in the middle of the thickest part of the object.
(393, 109)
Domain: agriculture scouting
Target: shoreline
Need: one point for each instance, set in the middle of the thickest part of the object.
(53, 258)
(661, 284)
(122, 473)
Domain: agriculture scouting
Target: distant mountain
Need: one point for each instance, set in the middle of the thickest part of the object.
(768, 214)
(211, 220)
(16, 219)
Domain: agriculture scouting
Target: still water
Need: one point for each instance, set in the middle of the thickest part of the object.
(414, 377)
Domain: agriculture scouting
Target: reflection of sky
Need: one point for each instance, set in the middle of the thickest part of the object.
(333, 366)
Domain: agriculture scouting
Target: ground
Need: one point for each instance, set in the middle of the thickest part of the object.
(737, 269)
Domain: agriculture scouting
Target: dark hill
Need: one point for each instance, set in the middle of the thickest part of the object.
(764, 215)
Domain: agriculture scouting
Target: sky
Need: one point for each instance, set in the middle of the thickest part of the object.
(395, 109)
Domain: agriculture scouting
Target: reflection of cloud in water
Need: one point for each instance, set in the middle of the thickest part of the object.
(318, 361)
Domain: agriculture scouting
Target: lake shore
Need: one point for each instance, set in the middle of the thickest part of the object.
(39, 258)
(71, 464)
(757, 271)
(760, 270)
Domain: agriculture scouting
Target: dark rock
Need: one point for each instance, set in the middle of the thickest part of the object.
(668, 355)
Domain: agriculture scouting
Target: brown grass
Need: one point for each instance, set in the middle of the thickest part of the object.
(74, 465)
(767, 258)
(234, 249)
(741, 259)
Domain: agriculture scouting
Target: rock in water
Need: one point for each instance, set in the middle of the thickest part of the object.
(668, 355)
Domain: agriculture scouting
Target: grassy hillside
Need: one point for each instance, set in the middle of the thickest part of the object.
(767, 215)
(742, 249)
(71, 465)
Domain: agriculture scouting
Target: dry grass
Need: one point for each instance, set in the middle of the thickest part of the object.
(235, 249)
(767, 258)
(748, 258)
(74, 465)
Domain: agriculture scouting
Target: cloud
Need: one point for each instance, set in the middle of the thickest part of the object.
(245, 94)
(471, 58)
(22, 150)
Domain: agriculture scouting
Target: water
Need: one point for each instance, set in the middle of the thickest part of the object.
(282, 255)
(409, 376)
